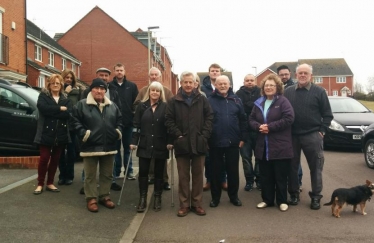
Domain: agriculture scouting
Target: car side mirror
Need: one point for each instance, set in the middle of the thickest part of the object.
(25, 107)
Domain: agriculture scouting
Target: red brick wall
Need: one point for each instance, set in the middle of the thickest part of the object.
(15, 12)
(97, 40)
(19, 162)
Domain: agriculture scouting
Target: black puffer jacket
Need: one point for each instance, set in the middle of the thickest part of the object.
(206, 87)
(98, 126)
(52, 122)
(193, 122)
(150, 132)
(248, 97)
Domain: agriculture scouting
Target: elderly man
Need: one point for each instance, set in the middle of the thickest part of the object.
(112, 94)
(249, 93)
(313, 116)
(98, 137)
(228, 135)
(189, 120)
(155, 75)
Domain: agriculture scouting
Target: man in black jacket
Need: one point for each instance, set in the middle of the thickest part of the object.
(127, 92)
(249, 93)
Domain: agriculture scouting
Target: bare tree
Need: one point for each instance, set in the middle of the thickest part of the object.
(370, 84)
(358, 87)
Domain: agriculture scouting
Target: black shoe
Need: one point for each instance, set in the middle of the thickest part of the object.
(213, 204)
(68, 182)
(115, 187)
(166, 186)
(248, 186)
(315, 204)
(294, 200)
(258, 186)
(61, 182)
(81, 191)
(236, 202)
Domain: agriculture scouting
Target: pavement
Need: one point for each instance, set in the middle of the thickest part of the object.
(63, 216)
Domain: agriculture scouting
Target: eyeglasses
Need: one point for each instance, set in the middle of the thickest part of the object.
(55, 83)
(284, 74)
(269, 85)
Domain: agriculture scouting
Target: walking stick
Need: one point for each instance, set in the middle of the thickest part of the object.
(172, 177)
(124, 178)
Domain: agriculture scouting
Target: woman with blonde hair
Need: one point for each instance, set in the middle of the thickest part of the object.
(52, 131)
(150, 138)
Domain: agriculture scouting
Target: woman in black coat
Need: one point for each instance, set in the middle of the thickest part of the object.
(52, 132)
(151, 139)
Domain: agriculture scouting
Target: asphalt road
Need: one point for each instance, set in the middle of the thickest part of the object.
(229, 224)
(63, 217)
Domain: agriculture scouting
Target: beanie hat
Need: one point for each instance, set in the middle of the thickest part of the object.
(103, 69)
(98, 82)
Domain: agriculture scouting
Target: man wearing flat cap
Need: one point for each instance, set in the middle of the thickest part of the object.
(98, 139)
(112, 94)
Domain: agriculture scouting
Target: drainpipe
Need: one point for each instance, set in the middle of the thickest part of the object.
(26, 41)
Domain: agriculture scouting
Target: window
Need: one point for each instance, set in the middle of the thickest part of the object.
(51, 59)
(317, 80)
(38, 53)
(63, 63)
(335, 93)
(11, 100)
(73, 67)
(340, 79)
(41, 81)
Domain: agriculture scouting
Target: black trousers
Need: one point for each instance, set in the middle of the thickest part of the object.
(158, 169)
(274, 180)
(228, 159)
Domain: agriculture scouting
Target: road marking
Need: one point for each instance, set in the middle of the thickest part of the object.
(18, 183)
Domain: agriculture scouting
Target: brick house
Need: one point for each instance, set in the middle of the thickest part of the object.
(100, 41)
(46, 57)
(12, 40)
(333, 74)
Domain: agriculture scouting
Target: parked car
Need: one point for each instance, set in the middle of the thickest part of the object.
(18, 114)
(367, 144)
(351, 118)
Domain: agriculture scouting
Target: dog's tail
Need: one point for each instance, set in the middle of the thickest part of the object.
(328, 204)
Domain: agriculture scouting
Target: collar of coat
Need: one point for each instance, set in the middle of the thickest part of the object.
(91, 101)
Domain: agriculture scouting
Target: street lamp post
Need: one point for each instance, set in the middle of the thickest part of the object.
(255, 71)
(149, 44)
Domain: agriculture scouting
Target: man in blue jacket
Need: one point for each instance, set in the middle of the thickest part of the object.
(229, 130)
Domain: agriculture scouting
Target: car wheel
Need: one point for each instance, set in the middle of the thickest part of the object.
(369, 153)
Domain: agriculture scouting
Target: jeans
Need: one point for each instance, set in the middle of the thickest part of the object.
(66, 165)
(251, 173)
(49, 158)
(126, 141)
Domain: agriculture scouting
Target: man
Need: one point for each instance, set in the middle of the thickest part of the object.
(284, 74)
(189, 120)
(127, 92)
(208, 88)
(99, 139)
(104, 73)
(312, 117)
(155, 75)
(228, 135)
(249, 93)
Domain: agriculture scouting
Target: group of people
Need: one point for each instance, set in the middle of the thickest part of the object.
(208, 127)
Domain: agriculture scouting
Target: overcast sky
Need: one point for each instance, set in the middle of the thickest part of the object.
(237, 34)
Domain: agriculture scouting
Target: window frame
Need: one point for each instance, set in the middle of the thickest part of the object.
(63, 61)
(51, 58)
(38, 53)
(341, 79)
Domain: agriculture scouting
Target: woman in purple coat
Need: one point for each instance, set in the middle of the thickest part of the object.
(272, 116)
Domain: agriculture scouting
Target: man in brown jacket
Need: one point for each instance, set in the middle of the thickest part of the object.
(189, 120)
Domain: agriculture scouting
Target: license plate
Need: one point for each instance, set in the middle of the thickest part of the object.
(356, 136)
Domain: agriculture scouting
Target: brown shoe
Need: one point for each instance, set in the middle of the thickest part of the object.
(198, 210)
(107, 202)
(183, 212)
(224, 186)
(206, 187)
(92, 205)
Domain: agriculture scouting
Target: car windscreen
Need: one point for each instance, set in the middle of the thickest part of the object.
(347, 106)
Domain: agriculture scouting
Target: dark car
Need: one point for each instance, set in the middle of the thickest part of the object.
(367, 143)
(18, 114)
(351, 118)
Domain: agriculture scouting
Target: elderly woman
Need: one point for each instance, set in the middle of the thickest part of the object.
(272, 116)
(66, 165)
(151, 139)
(52, 132)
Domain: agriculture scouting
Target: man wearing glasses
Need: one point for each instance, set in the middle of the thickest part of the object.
(284, 74)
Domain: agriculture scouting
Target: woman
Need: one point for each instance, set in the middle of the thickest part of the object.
(66, 165)
(151, 139)
(272, 116)
(52, 132)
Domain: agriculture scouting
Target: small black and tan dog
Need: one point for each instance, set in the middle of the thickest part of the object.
(352, 196)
